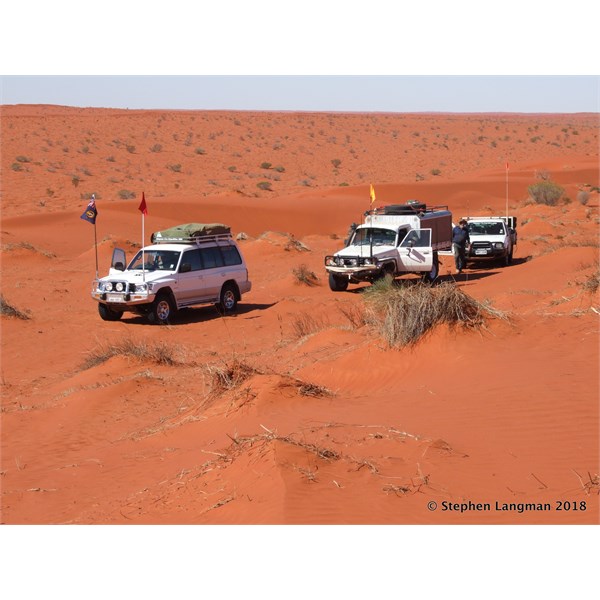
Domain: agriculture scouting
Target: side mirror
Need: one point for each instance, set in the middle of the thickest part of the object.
(185, 268)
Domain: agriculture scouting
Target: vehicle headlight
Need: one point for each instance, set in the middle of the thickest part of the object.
(119, 287)
(353, 262)
(141, 287)
(369, 261)
(108, 286)
(499, 245)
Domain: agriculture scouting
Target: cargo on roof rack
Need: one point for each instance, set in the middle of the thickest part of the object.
(191, 232)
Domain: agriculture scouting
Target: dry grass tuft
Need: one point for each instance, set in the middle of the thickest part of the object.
(402, 315)
(592, 283)
(157, 352)
(307, 324)
(305, 276)
(229, 376)
(9, 310)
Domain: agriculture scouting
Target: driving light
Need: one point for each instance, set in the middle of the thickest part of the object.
(119, 287)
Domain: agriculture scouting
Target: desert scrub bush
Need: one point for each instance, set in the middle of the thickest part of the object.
(264, 185)
(157, 352)
(75, 180)
(9, 310)
(435, 172)
(22, 159)
(304, 275)
(265, 165)
(16, 167)
(126, 194)
(583, 197)
(175, 168)
(545, 192)
(156, 148)
(200, 151)
(336, 162)
(592, 283)
(403, 314)
(280, 169)
(130, 148)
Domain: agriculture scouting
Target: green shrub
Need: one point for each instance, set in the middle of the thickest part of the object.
(22, 159)
(265, 165)
(200, 151)
(156, 148)
(130, 148)
(545, 192)
(175, 168)
(435, 172)
(336, 162)
(16, 167)
(264, 185)
(126, 194)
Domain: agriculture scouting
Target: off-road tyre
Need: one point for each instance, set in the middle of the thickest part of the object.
(162, 310)
(109, 314)
(228, 299)
(337, 284)
(431, 276)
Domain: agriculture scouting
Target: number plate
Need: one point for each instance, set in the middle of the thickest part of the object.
(479, 252)
(115, 298)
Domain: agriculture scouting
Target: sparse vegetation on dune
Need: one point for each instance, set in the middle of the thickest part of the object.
(157, 352)
(403, 314)
(546, 192)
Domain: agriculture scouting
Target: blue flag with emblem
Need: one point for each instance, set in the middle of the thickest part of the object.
(91, 212)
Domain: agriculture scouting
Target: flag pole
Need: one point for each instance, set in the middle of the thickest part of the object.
(96, 248)
(507, 188)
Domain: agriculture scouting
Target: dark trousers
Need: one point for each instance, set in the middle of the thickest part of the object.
(460, 259)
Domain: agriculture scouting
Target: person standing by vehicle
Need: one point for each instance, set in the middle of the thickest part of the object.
(460, 239)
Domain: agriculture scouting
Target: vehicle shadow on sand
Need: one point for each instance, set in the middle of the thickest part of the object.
(203, 314)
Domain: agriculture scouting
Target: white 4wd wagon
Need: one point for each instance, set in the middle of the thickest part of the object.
(185, 266)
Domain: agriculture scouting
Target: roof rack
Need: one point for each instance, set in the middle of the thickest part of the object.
(195, 239)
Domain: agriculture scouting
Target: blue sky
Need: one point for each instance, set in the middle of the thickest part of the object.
(312, 93)
(333, 55)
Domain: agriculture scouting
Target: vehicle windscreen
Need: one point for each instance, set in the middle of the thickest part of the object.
(486, 229)
(155, 260)
(374, 236)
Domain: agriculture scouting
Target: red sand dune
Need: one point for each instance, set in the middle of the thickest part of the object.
(330, 425)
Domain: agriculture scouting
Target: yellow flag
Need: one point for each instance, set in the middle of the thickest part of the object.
(372, 194)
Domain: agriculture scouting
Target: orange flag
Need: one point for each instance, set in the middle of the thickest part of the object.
(372, 194)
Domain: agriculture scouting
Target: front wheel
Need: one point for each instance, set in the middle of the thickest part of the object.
(431, 276)
(109, 314)
(161, 310)
(337, 284)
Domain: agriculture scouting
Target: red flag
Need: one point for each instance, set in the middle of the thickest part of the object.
(507, 165)
(142, 207)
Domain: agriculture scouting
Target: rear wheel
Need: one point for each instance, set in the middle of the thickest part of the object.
(109, 314)
(162, 309)
(228, 299)
(337, 284)
(431, 276)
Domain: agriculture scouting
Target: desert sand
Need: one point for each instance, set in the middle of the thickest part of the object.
(327, 425)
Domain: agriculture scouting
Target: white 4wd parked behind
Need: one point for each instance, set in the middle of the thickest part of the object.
(492, 238)
(175, 272)
(394, 240)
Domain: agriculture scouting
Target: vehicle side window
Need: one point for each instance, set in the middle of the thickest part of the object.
(211, 257)
(194, 259)
(419, 238)
(231, 256)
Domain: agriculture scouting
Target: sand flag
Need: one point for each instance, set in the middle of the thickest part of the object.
(142, 207)
(91, 212)
(372, 194)
(89, 215)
